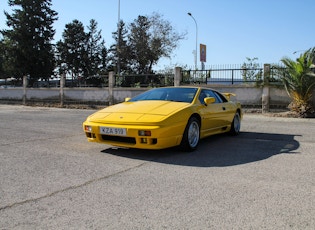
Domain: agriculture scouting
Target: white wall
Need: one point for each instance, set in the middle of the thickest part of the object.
(247, 95)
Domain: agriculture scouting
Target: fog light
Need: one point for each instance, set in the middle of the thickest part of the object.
(144, 140)
(144, 133)
(88, 128)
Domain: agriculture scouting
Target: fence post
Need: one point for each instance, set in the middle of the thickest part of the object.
(62, 84)
(25, 82)
(266, 90)
(232, 76)
(177, 76)
(111, 84)
(266, 73)
(265, 99)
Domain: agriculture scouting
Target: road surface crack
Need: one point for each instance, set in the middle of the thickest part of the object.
(69, 188)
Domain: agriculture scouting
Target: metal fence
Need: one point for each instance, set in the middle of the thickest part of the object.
(223, 74)
(220, 74)
(231, 75)
(144, 80)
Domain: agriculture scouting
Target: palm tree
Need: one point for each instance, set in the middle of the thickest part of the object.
(299, 81)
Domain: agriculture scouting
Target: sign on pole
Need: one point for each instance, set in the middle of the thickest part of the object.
(203, 53)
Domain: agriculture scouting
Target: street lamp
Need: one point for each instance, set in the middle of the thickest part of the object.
(118, 40)
(196, 39)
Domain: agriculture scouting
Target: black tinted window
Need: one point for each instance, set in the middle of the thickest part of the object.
(222, 98)
(209, 93)
(168, 94)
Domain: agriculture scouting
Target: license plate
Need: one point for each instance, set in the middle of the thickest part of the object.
(113, 131)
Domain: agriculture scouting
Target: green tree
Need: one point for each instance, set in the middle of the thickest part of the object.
(2, 72)
(72, 49)
(120, 53)
(6, 59)
(251, 70)
(164, 38)
(311, 53)
(104, 60)
(82, 54)
(29, 41)
(140, 44)
(95, 50)
(299, 81)
(151, 38)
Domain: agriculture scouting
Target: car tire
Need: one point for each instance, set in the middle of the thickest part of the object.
(191, 135)
(236, 125)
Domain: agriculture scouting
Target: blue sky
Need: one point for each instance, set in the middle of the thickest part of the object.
(231, 29)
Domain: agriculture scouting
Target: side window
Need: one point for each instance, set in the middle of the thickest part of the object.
(202, 96)
(208, 93)
(221, 97)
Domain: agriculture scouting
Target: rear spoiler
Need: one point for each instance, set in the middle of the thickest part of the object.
(228, 95)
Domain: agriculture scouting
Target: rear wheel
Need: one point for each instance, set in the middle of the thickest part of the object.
(191, 135)
(236, 125)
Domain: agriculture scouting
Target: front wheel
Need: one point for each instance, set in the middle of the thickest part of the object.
(191, 135)
(236, 125)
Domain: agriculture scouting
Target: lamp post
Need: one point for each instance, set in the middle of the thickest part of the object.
(196, 50)
(118, 41)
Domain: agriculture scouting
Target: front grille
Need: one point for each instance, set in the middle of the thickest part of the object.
(130, 140)
(90, 135)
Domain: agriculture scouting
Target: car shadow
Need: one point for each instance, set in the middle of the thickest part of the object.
(219, 150)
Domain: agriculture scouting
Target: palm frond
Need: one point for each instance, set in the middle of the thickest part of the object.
(298, 77)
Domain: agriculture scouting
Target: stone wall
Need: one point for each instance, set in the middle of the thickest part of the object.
(247, 95)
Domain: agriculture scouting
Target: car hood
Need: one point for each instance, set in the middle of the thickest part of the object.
(137, 112)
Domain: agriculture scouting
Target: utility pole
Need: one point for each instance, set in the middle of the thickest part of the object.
(196, 50)
(118, 40)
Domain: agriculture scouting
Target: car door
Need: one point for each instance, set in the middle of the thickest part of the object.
(228, 107)
(214, 115)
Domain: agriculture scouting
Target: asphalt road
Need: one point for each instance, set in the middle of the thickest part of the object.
(52, 178)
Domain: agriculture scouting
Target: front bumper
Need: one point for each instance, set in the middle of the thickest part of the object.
(160, 136)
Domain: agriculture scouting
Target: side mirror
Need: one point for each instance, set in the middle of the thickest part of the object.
(209, 100)
(127, 99)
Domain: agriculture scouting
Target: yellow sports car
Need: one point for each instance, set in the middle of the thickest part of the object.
(165, 117)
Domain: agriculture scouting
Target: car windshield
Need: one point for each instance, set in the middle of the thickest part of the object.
(168, 94)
